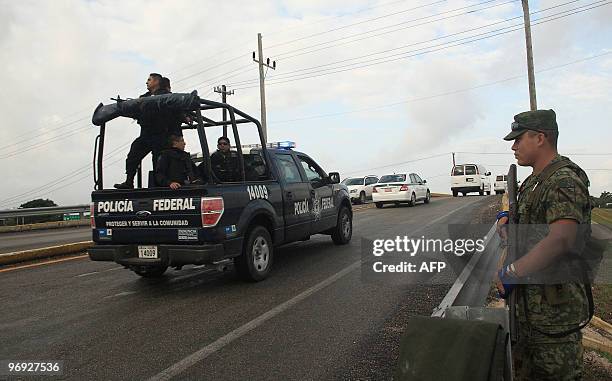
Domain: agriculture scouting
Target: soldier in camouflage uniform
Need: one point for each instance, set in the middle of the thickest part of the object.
(563, 204)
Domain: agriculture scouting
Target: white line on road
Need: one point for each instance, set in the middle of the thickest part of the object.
(86, 274)
(237, 333)
(98, 272)
(113, 269)
(125, 293)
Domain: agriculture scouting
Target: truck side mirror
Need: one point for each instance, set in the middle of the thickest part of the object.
(424, 181)
(334, 177)
(488, 174)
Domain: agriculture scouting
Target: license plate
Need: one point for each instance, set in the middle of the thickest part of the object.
(388, 190)
(147, 251)
(469, 179)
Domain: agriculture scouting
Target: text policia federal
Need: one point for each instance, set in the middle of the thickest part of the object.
(414, 246)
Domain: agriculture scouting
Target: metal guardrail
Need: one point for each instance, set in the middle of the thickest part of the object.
(46, 211)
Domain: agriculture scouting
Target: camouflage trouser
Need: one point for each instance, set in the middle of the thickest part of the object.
(540, 357)
(548, 361)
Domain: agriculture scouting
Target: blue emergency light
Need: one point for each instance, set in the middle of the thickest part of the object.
(286, 145)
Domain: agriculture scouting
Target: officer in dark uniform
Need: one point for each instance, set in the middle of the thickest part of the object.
(174, 120)
(224, 161)
(175, 167)
(153, 134)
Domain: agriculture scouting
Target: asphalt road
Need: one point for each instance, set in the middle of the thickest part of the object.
(309, 321)
(35, 239)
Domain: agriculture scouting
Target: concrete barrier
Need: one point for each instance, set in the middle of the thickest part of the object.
(43, 225)
(46, 252)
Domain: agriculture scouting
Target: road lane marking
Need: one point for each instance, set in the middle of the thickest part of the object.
(43, 263)
(201, 354)
(113, 269)
(86, 274)
(125, 293)
(189, 361)
(98, 272)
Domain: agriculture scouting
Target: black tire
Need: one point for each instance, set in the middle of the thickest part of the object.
(150, 271)
(488, 193)
(412, 201)
(428, 197)
(343, 232)
(455, 193)
(481, 191)
(255, 262)
(362, 198)
(379, 205)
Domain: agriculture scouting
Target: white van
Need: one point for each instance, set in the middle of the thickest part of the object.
(501, 184)
(467, 178)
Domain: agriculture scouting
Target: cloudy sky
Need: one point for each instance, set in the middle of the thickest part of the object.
(364, 87)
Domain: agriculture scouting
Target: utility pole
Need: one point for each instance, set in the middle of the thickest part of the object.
(224, 93)
(453, 160)
(262, 91)
(532, 89)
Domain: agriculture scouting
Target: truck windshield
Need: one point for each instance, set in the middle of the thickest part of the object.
(354, 181)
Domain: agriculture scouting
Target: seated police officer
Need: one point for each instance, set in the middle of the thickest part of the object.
(175, 167)
(224, 161)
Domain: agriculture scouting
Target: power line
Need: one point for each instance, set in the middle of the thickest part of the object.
(402, 163)
(43, 143)
(398, 24)
(433, 39)
(363, 38)
(56, 181)
(360, 22)
(453, 92)
(442, 47)
(285, 76)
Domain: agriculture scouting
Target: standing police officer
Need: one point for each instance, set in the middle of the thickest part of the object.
(153, 134)
(547, 313)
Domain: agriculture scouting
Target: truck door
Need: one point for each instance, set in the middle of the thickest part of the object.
(321, 191)
(297, 202)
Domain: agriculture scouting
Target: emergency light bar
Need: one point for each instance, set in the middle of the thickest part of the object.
(282, 145)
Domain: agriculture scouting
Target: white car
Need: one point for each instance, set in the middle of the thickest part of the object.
(501, 184)
(467, 178)
(399, 188)
(360, 188)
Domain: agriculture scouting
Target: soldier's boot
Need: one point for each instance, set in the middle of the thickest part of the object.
(127, 184)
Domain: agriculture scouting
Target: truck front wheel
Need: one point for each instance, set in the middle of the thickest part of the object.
(256, 259)
(343, 231)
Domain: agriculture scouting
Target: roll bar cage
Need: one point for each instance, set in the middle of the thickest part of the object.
(201, 122)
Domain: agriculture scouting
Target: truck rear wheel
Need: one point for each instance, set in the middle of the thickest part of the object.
(343, 231)
(255, 262)
(150, 271)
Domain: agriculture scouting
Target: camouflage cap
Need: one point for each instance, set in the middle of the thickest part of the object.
(538, 120)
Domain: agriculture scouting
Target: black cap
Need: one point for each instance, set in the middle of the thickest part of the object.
(538, 120)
